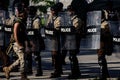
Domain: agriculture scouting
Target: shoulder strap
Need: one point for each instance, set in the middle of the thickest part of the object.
(17, 20)
(55, 18)
(36, 17)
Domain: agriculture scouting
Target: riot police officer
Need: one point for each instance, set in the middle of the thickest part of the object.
(3, 56)
(59, 6)
(33, 27)
(72, 40)
(106, 45)
(53, 24)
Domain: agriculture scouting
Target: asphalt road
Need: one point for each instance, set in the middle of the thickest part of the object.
(87, 64)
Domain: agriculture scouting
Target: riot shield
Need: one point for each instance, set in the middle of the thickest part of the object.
(2, 18)
(115, 31)
(92, 39)
(29, 22)
(33, 34)
(67, 33)
(51, 35)
(8, 32)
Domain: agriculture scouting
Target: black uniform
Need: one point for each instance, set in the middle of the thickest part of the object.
(106, 47)
(33, 27)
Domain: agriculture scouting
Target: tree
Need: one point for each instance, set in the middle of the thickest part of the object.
(43, 8)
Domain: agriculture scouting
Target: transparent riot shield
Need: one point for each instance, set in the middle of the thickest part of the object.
(33, 32)
(51, 34)
(8, 32)
(92, 39)
(29, 22)
(115, 31)
(2, 18)
(67, 32)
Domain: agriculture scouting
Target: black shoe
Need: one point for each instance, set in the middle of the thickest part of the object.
(74, 76)
(24, 77)
(59, 73)
(39, 74)
(104, 76)
(29, 72)
(55, 75)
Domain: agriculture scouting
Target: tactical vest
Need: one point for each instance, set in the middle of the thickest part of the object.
(22, 31)
(69, 28)
(31, 31)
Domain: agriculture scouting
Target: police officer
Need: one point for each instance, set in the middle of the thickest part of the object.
(20, 44)
(54, 22)
(106, 45)
(77, 24)
(59, 6)
(34, 24)
(3, 56)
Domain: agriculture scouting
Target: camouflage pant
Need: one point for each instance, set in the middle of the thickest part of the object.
(21, 58)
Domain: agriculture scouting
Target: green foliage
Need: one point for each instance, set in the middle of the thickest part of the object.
(43, 8)
(36, 1)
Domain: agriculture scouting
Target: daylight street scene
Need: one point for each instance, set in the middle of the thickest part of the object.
(60, 39)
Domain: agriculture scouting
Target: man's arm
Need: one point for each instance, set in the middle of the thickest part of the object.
(16, 32)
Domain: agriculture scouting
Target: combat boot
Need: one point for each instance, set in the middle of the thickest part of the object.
(57, 66)
(64, 54)
(38, 65)
(29, 64)
(103, 67)
(39, 73)
(7, 72)
(55, 75)
(24, 77)
(75, 72)
(39, 70)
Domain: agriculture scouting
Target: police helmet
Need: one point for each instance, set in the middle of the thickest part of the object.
(59, 5)
(32, 10)
(53, 8)
(20, 8)
(70, 8)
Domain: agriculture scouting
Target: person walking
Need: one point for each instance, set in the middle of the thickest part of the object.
(20, 45)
